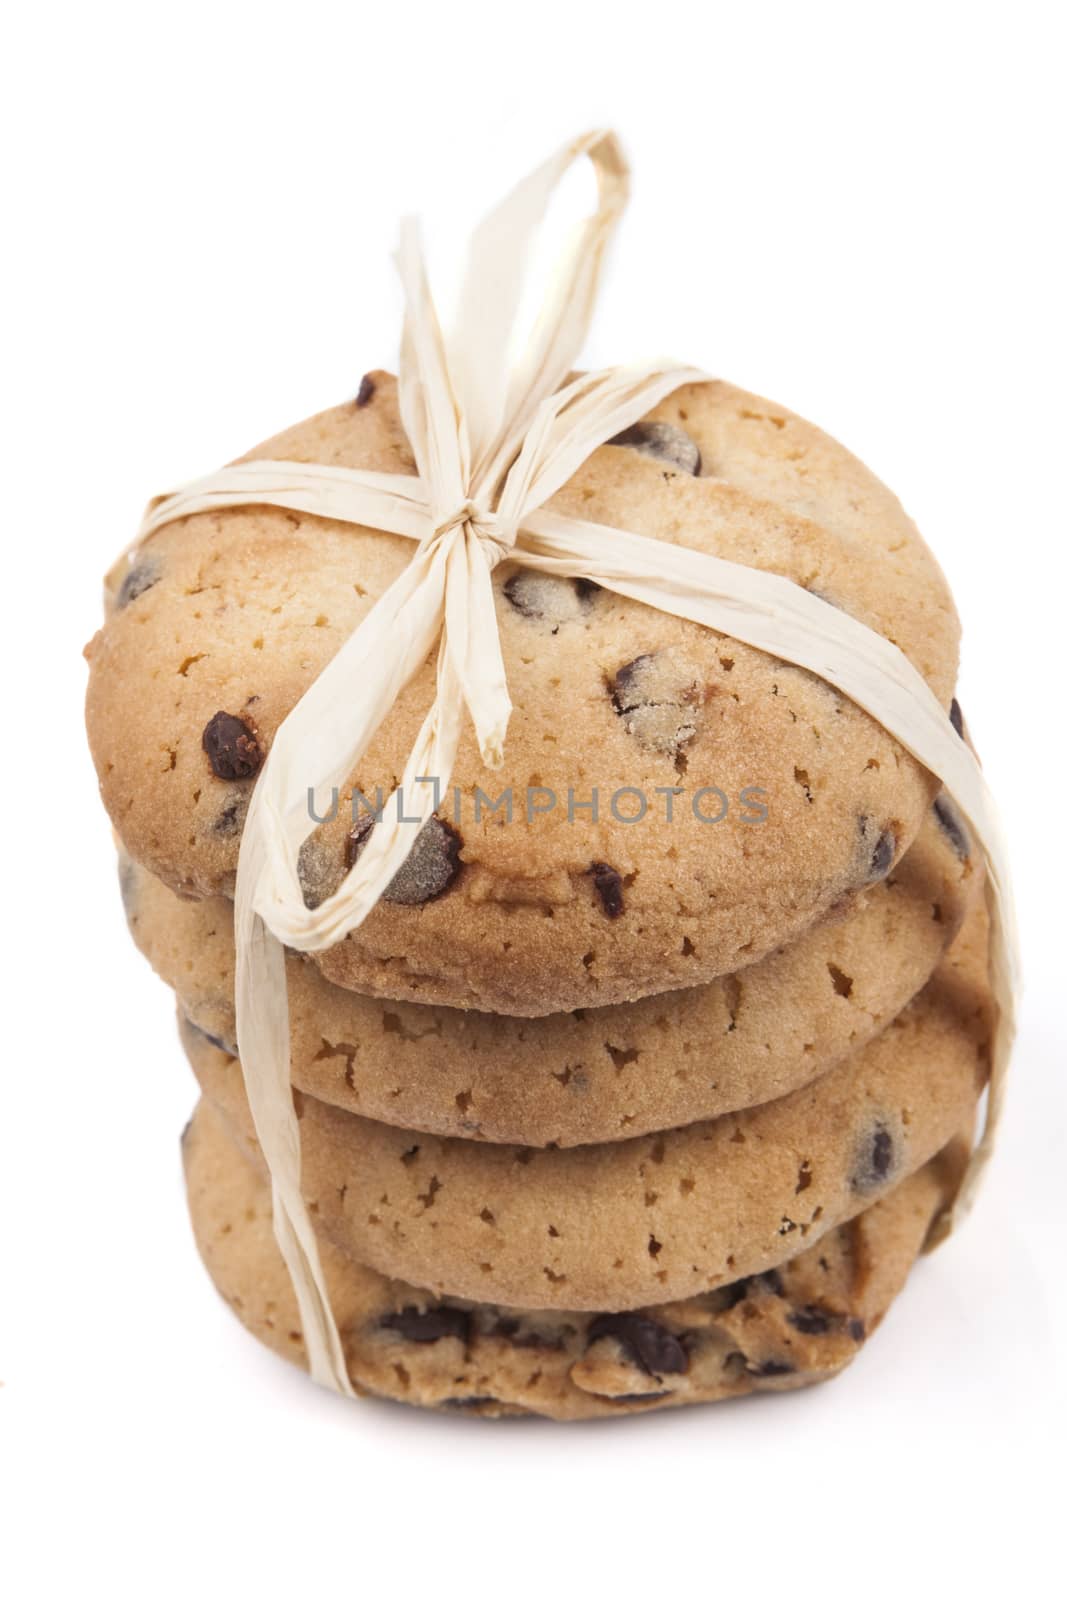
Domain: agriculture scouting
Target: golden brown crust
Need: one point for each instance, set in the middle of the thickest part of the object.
(617, 1226)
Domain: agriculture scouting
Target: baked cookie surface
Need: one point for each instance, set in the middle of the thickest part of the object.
(226, 619)
(785, 1329)
(616, 1226)
(594, 1075)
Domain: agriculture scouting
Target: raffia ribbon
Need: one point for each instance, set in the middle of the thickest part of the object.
(493, 442)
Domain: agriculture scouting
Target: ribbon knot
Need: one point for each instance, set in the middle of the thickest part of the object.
(496, 537)
(468, 512)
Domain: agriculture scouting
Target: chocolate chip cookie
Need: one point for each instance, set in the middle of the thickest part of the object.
(665, 1216)
(680, 804)
(602, 1074)
(782, 1329)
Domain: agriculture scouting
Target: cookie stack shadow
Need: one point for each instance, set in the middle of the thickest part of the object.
(681, 1198)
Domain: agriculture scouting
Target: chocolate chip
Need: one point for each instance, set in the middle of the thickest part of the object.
(230, 818)
(880, 855)
(511, 1329)
(608, 885)
(318, 870)
(771, 1369)
(809, 1320)
(882, 1152)
(955, 716)
(874, 1160)
(625, 686)
(856, 1329)
(769, 1282)
(140, 577)
(232, 747)
(357, 838)
(428, 871)
(952, 826)
(663, 442)
(544, 598)
(467, 1402)
(367, 390)
(426, 1327)
(657, 696)
(731, 1295)
(644, 1342)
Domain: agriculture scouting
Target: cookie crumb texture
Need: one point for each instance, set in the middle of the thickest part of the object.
(784, 1329)
(615, 1227)
(236, 613)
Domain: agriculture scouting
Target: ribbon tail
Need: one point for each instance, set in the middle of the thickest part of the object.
(1004, 976)
(324, 737)
(472, 640)
(263, 1047)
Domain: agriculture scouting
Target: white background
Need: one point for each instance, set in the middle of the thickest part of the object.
(854, 209)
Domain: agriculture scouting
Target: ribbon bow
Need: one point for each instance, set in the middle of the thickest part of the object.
(492, 443)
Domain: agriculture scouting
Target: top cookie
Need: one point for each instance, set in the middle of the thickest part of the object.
(225, 619)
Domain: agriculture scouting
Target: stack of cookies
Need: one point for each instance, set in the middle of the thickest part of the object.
(647, 1079)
